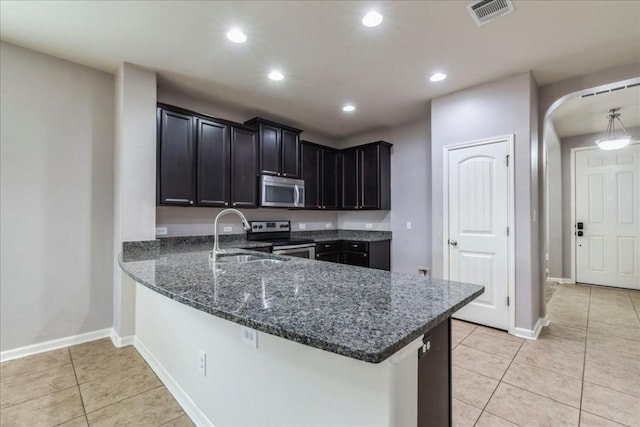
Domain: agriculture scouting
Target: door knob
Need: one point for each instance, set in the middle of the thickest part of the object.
(453, 242)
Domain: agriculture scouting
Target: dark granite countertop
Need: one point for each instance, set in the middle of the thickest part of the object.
(353, 235)
(357, 312)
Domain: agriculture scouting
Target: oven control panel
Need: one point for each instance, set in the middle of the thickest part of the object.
(269, 226)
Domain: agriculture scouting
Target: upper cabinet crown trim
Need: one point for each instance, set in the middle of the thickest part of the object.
(257, 120)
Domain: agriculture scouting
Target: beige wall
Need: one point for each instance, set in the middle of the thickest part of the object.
(56, 198)
(410, 195)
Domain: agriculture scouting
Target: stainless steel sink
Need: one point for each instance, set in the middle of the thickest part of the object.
(252, 258)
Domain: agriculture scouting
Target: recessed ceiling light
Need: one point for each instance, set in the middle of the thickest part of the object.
(348, 108)
(276, 75)
(237, 36)
(372, 19)
(437, 77)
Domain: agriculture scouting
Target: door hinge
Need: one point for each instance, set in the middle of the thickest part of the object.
(507, 160)
(508, 302)
(507, 231)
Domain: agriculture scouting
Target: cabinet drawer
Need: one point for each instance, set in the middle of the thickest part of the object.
(355, 246)
(323, 247)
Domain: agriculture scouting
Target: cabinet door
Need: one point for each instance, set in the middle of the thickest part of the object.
(349, 172)
(213, 163)
(270, 153)
(330, 179)
(369, 177)
(329, 256)
(176, 159)
(355, 258)
(244, 163)
(290, 154)
(311, 176)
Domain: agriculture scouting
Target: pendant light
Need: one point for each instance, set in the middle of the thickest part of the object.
(611, 139)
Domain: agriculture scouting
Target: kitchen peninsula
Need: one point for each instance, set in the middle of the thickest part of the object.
(335, 344)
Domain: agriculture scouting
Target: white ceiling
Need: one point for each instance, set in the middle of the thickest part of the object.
(581, 116)
(327, 55)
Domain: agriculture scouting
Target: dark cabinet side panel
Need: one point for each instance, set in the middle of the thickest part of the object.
(330, 179)
(370, 177)
(434, 378)
(290, 154)
(213, 164)
(244, 163)
(311, 176)
(349, 172)
(176, 159)
(269, 150)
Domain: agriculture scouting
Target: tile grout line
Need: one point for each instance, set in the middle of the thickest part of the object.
(584, 360)
(84, 409)
(136, 395)
(499, 382)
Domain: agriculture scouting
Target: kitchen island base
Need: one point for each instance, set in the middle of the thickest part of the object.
(278, 383)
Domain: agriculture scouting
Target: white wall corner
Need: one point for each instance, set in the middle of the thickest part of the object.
(188, 405)
(532, 334)
(119, 341)
(42, 347)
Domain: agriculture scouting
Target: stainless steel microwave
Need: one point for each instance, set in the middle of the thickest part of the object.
(280, 192)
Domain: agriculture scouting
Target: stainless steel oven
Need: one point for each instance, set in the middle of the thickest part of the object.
(280, 192)
(278, 233)
(304, 250)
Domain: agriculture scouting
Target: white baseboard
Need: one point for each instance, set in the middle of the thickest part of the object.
(54, 344)
(532, 334)
(188, 405)
(119, 341)
(560, 280)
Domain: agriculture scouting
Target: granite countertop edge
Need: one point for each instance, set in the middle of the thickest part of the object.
(321, 344)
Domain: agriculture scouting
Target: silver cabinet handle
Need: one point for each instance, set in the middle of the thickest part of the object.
(453, 242)
(190, 202)
(297, 191)
(226, 203)
(355, 246)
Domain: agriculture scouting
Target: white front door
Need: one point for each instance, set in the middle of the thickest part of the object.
(607, 209)
(478, 217)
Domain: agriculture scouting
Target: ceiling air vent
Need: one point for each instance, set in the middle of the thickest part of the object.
(484, 11)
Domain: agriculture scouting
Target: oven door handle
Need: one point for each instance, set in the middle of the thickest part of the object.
(297, 191)
(300, 246)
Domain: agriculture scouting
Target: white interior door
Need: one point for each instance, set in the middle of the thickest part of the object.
(607, 207)
(478, 217)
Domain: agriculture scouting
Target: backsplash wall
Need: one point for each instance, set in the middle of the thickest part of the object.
(193, 221)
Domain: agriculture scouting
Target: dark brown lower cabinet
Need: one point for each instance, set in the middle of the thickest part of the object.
(434, 377)
(362, 254)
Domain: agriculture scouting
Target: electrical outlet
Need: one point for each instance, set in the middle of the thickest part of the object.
(408, 225)
(227, 229)
(327, 225)
(368, 226)
(249, 336)
(302, 226)
(161, 231)
(202, 362)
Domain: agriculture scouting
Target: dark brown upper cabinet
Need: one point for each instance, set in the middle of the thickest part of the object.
(214, 175)
(205, 161)
(176, 158)
(244, 162)
(279, 148)
(366, 176)
(320, 169)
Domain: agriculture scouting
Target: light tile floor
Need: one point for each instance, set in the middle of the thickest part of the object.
(584, 370)
(93, 384)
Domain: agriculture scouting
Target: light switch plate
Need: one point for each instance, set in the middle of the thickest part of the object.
(162, 231)
(227, 229)
(302, 226)
(368, 226)
(327, 225)
(408, 225)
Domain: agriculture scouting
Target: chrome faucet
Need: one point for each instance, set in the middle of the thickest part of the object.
(216, 245)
